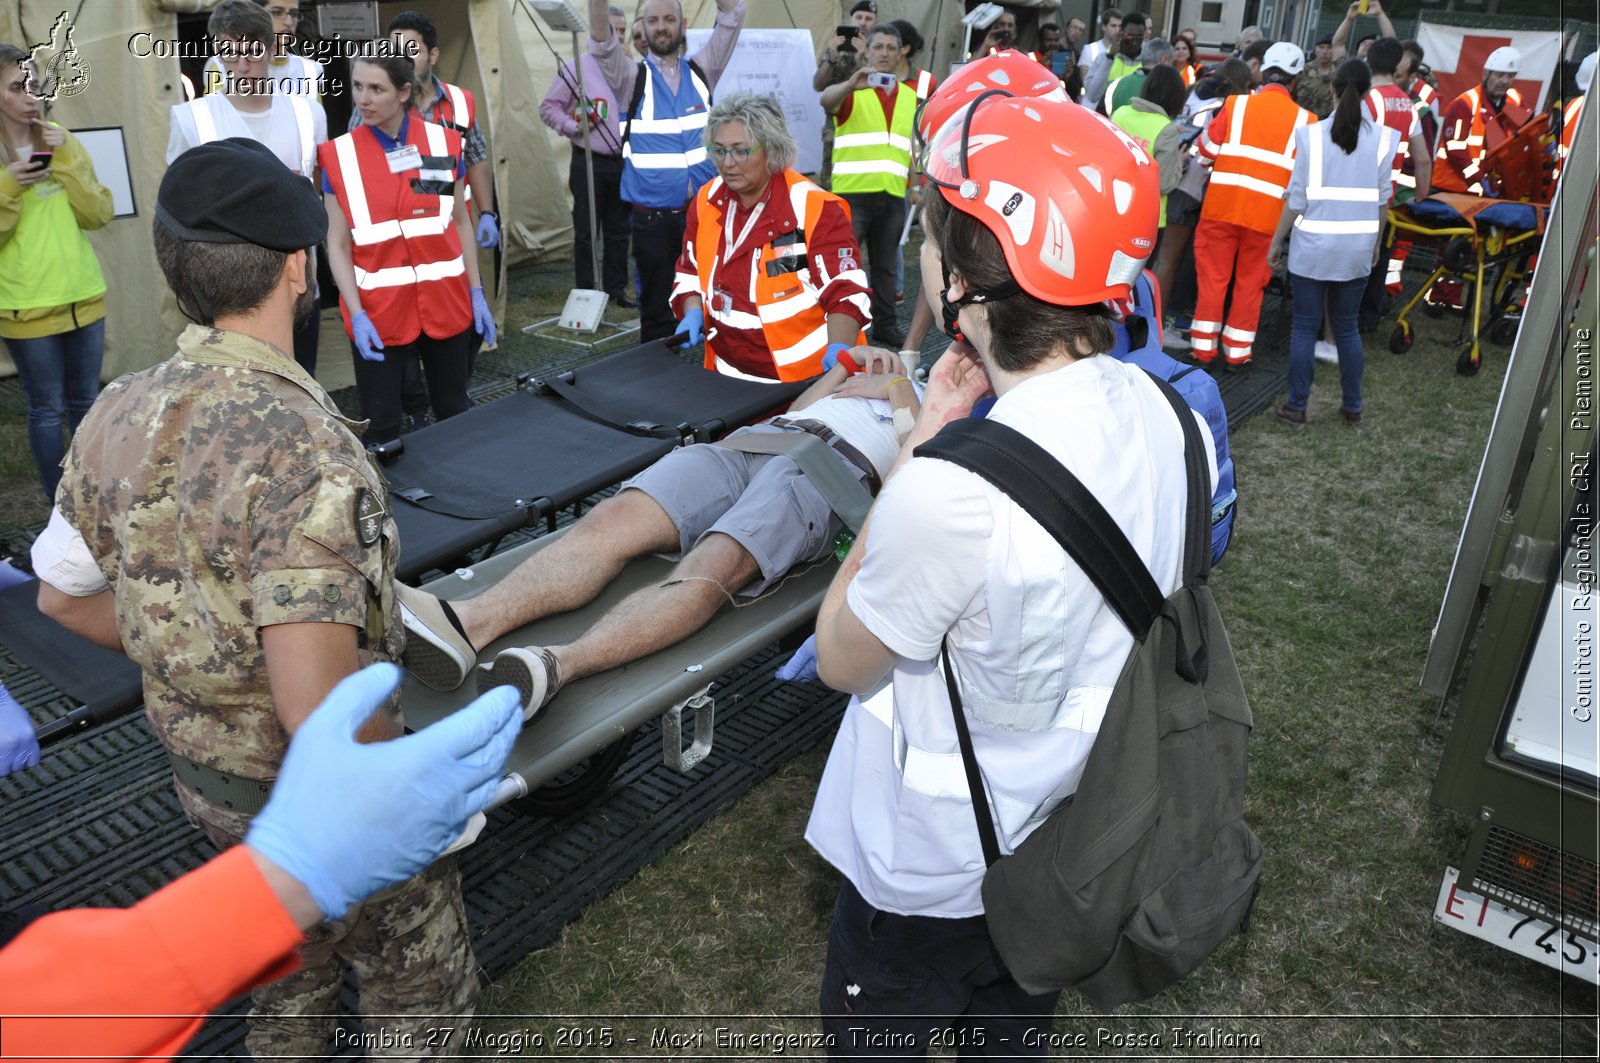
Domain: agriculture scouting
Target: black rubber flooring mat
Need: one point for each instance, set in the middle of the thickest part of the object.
(91, 674)
(96, 823)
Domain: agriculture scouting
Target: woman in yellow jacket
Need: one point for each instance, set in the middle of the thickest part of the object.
(52, 294)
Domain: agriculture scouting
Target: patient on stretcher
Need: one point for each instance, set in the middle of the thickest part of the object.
(737, 522)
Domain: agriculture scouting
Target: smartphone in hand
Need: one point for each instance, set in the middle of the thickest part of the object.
(40, 160)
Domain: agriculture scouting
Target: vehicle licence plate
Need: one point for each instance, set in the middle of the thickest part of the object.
(1526, 935)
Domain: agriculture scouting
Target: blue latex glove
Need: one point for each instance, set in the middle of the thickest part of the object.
(347, 819)
(830, 358)
(482, 319)
(693, 323)
(365, 336)
(802, 667)
(19, 747)
(488, 230)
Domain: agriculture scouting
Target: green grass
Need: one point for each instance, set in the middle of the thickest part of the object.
(1331, 588)
(1332, 585)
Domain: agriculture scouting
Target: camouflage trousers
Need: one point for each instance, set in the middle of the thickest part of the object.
(411, 952)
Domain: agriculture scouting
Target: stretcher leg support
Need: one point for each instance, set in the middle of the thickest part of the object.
(673, 752)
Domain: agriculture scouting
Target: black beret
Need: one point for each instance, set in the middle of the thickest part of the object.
(865, 5)
(236, 191)
(1326, 38)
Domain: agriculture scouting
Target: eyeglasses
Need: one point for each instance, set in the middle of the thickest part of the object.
(241, 50)
(720, 153)
(292, 14)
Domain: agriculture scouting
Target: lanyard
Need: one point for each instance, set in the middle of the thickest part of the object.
(735, 243)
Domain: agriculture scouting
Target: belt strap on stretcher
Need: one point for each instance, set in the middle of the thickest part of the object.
(841, 489)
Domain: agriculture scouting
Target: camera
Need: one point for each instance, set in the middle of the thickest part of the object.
(881, 79)
(849, 33)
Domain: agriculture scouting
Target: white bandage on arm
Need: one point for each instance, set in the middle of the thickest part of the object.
(61, 558)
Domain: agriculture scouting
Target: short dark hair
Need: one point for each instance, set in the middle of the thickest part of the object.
(1417, 54)
(243, 19)
(213, 280)
(1025, 329)
(1234, 74)
(1384, 56)
(1107, 15)
(1134, 18)
(887, 29)
(1256, 50)
(908, 35)
(1164, 87)
(419, 24)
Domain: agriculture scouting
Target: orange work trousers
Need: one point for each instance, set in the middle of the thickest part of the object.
(1224, 251)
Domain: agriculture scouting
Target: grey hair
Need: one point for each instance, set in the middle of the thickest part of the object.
(1155, 51)
(617, 11)
(763, 123)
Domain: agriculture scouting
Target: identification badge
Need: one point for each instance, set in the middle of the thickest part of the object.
(721, 302)
(403, 159)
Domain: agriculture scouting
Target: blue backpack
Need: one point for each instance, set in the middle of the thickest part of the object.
(1139, 343)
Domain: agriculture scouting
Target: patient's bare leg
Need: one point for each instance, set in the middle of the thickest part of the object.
(653, 618)
(650, 619)
(573, 570)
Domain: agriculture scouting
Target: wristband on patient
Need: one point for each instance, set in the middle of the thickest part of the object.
(839, 354)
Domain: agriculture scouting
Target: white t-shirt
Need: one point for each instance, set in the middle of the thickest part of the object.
(1036, 649)
(292, 75)
(866, 424)
(278, 128)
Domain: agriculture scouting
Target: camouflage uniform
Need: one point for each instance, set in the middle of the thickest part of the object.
(1314, 91)
(221, 493)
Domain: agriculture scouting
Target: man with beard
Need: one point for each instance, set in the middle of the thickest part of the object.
(664, 162)
(219, 522)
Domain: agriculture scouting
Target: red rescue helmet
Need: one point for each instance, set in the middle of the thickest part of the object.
(1073, 200)
(1013, 73)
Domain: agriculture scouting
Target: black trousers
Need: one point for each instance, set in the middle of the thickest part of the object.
(896, 985)
(445, 365)
(612, 220)
(657, 243)
(878, 218)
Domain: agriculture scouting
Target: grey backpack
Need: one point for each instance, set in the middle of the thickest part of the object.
(1144, 871)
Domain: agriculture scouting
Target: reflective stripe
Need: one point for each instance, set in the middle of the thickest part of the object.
(806, 347)
(663, 160)
(1204, 326)
(1239, 335)
(737, 319)
(1336, 228)
(668, 126)
(460, 114)
(308, 142)
(1271, 158)
(894, 169)
(1203, 343)
(354, 188)
(728, 369)
(205, 124)
(398, 276)
(872, 140)
(1266, 188)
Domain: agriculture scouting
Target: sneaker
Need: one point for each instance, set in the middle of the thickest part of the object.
(533, 670)
(1351, 417)
(437, 652)
(1326, 352)
(1173, 340)
(1291, 417)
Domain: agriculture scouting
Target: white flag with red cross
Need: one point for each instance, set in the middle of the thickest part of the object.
(1457, 54)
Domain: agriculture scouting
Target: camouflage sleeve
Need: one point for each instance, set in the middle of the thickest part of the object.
(317, 544)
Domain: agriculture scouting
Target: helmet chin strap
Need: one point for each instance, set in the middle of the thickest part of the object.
(976, 297)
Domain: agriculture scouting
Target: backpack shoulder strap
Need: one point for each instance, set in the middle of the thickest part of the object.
(1197, 524)
(641, 84)
(1057, 499)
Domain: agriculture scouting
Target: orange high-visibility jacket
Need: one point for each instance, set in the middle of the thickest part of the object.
(408, 260)
(1252, 143)
(138, 982)
(1470, 129)
(1569, 129)
(770, 294)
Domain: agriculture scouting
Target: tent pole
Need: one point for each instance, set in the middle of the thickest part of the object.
(588, 161)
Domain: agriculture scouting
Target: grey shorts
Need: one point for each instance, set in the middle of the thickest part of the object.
(762, 501)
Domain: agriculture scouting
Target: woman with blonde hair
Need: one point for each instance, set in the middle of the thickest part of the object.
(52, 293)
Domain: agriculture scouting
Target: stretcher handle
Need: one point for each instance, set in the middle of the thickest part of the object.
(93, 714)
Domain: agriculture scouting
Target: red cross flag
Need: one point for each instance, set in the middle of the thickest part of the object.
(1457, 55)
